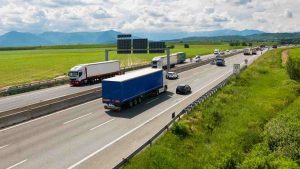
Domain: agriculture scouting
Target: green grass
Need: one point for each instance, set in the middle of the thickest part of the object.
(23, 66)
(293, 64)
(224, 130)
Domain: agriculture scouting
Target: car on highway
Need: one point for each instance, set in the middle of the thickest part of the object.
(197, 58)
(183, 89)
(220, 62)
(216, 51)
(172, 75)
(222, 53)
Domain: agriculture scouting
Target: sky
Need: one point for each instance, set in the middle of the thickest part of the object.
(38, 16)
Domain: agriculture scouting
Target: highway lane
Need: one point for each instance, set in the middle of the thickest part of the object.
(62, 139)
(29, 98)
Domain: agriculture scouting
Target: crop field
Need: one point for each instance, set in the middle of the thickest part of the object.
(32, 64)
(253, 122)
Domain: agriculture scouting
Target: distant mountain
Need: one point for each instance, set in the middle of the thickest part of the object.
(21, 39)
(179, 35)
(57, 38)
(108, 37)
(271, 37)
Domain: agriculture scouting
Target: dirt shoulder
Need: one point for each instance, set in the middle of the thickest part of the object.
(285, 56)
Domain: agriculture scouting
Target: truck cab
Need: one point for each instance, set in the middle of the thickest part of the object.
(157, 62)
(77, 75)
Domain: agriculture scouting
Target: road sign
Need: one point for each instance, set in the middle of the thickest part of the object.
(157, 47)
(140, 46)
(124, 46)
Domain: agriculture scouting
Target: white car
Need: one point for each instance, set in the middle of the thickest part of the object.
(197, 58)
(172, 75)
(216, 51)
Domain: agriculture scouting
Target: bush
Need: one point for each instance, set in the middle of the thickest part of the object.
(172, 46)
(293, 67)
(186, 45)
(181, 129)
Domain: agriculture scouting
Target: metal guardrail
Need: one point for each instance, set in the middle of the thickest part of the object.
(51, 83)
(17, 115)
(186, 110)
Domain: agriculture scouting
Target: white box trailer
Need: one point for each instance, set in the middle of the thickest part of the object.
(92, 72)
(247, 51)
(254, 51)
(161, 61)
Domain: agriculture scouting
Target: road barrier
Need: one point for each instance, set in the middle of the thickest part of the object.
(183, 112)
(17, 89)
(26, 113)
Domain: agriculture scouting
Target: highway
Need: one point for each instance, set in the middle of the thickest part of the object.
(87, 136)
(29, 98)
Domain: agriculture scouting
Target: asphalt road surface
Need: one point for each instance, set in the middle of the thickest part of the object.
(29, 98)
(88, 136)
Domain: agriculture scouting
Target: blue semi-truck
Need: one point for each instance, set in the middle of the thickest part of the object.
(131, 88)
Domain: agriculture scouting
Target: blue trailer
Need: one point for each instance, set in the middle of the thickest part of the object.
(130, 89)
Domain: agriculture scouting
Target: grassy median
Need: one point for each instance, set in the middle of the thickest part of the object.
(23, 66)
(237, 127)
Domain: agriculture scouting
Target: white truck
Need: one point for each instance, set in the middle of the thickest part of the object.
(93, 72)
(161, 61)
(254, 51)
(247, 51)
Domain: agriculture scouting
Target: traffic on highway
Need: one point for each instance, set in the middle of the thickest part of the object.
(70, 134)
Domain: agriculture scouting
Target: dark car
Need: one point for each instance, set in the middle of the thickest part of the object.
(220, 62)
(183, 89)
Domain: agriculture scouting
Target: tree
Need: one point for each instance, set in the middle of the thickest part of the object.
(186, 45)
(244, 44)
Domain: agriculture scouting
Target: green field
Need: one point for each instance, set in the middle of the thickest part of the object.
(40, 63)
(253, 122)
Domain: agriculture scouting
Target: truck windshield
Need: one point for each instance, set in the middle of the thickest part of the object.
(154, 63)
(73, 74)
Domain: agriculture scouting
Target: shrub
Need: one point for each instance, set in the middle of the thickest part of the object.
(293, 67)
(186, 45)
(181, 129)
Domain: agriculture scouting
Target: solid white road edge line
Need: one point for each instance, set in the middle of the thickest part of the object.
(139, 126)
(33, 120)
(3, 146)
(101, 124)
(77, 118)
(16, 164)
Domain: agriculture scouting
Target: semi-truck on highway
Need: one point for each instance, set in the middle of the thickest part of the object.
(161, 61)
(254, 51)
(92, 72)
(247, 51)
(131, 88)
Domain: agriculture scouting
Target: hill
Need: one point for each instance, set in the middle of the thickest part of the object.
(57, 38)
(263, 37)
(105, 37)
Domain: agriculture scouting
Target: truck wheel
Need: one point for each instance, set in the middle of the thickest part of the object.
(166, 88)
(139, 100)
(135, 102)
(130, 104)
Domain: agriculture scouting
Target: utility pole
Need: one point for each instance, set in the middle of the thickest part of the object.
(106, 54)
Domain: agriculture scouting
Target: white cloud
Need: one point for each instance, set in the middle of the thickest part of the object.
(148, 15)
